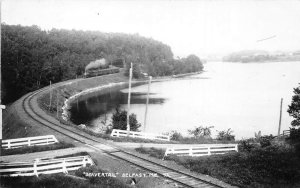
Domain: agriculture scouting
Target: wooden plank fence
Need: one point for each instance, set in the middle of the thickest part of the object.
(133, 134)
(201, 150)
(44, 166)
(29, 141)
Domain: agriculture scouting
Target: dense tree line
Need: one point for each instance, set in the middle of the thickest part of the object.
(31, 57)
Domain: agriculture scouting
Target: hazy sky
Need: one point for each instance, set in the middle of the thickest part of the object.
(188, 26)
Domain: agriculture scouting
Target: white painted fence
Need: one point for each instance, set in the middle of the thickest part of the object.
(152, 136)
(201, 150)
(28, 141)
(44, 166)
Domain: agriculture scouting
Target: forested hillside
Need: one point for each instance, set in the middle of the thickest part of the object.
(32, 57)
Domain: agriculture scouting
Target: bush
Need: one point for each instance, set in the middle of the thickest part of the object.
(246, 145)
(226, 135)
(119, 120)
(265, 140)
(174, 135)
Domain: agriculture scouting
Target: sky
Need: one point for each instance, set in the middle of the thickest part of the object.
(190, 27)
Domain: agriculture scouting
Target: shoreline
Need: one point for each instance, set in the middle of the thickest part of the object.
(65, 115)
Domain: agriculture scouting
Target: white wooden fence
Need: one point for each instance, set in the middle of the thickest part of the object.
(28, 141)
(152, 136)
(44, 166)
(201, 150)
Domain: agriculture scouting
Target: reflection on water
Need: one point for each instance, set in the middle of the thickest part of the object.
(86, 110)
(243, 97)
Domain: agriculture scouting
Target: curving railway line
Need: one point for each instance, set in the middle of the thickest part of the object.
(185, 179)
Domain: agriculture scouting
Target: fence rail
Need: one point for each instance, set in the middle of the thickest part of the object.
(152, 136)
(28, 141)
(201, 150)
(44, 166)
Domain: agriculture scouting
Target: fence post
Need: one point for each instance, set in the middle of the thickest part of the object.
(35, 172)
(64, 166)
(236, 148)
(47, 141)
(208, 150)
(8, 145)
(84, 162)
(191, 151)
(118, 134)
(29, 142)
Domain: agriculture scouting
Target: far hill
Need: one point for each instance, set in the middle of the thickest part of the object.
(246, 56)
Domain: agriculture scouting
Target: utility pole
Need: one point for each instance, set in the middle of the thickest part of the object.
(129, 95)
(57, 103)
(279, 127)
(147, 102)
(50, 96)
(77, 88)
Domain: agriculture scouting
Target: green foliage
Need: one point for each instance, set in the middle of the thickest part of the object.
(201, 132)
(294, 108)
(119, 120)
(226, 135)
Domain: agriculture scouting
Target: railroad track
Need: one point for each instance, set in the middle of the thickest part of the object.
(182, 178)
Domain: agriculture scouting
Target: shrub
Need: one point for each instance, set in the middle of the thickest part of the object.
(174, 135)
(119, 120)
(226, 135)
(266, 140)
(246, 145)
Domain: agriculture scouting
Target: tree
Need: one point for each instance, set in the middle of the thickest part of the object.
(226, 135)
(294, 108)
(119, 120)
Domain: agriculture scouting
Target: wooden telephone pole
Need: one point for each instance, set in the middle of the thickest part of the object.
(129, 95)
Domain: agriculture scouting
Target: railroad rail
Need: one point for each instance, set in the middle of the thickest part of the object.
(185, 179)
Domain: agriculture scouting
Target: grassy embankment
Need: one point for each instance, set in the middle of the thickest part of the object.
(271, 166)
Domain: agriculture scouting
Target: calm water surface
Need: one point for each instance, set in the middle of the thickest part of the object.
(243, 97)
